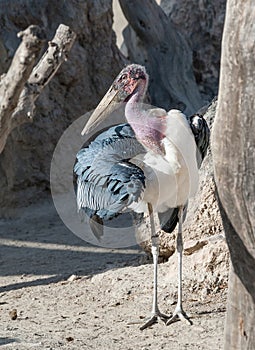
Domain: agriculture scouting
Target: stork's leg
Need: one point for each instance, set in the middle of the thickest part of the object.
(179, 314)
(155, 313)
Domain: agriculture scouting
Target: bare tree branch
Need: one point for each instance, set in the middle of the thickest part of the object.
(13, 82)
(42, 73)
(28, 86)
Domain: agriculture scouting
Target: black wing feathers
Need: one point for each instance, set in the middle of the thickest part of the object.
(201, 134)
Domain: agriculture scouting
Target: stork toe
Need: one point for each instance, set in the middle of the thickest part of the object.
(179, 315)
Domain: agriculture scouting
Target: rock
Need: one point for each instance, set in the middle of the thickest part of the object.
(13, 314)
(69, 339)
(193, 246)
(166, 248)
(205, 270)
(73, 278)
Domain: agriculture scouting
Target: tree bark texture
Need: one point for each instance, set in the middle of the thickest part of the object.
(166, 55)
(201, 23)
(21, 86)
(13, 82)
(233, 146)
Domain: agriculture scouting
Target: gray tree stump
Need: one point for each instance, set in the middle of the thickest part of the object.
(233, 146)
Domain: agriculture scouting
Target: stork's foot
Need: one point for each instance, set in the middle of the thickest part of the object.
(154, 319)
(179, 315)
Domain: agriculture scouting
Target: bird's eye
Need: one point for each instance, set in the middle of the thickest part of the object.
(123, 77)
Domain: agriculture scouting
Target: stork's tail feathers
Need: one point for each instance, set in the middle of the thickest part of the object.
(169, 219)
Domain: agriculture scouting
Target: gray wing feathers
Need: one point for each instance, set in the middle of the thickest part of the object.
(106, 181)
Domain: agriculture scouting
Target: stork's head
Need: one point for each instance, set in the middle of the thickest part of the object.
(128, 81)
(124, 86)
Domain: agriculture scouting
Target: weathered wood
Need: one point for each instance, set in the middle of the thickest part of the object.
(233, 146)
(166, 55)
(13, 82)
(23, 84)
(201, 23)
(42, 73)
(239, 325)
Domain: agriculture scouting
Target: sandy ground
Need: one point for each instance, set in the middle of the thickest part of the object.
(71, 295)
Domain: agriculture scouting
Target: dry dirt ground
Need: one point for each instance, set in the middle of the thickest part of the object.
(72, 295)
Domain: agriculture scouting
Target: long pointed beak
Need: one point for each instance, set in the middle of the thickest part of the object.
(105, 107)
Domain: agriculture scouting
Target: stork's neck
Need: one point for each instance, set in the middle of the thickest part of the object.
(149, 129)
(133, 109)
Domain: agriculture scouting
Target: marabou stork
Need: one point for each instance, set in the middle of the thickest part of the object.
(149, 164)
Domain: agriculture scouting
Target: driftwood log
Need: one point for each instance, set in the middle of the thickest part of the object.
(22, 84)
(165, 53)
(233, 149)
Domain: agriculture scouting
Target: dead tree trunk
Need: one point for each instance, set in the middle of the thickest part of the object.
(22, 84)
(233, 146)
(166, 55)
